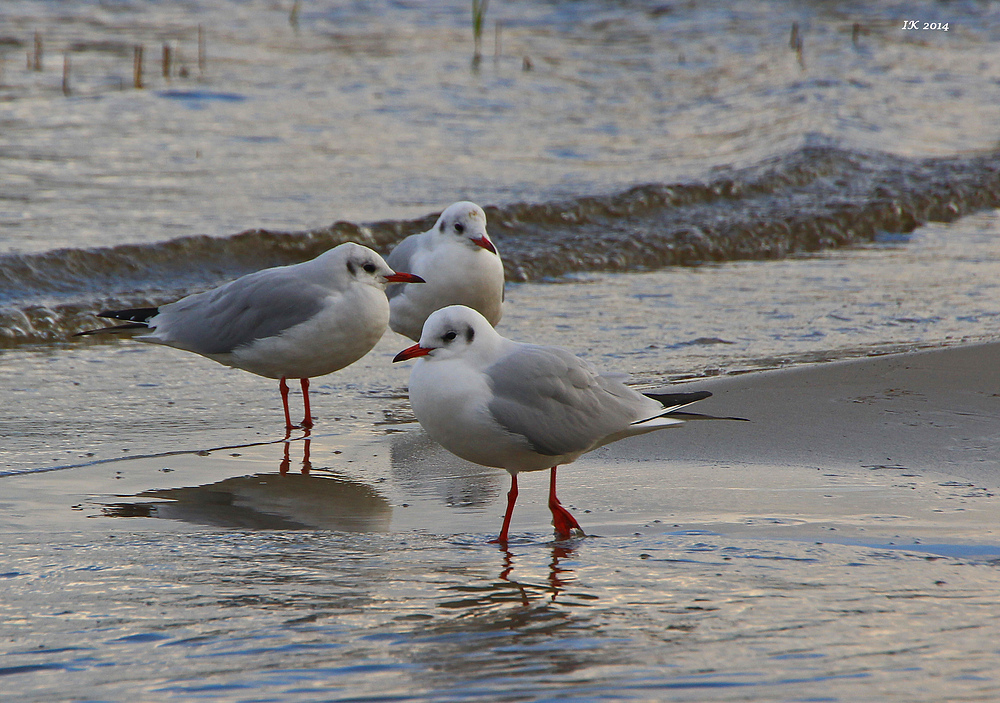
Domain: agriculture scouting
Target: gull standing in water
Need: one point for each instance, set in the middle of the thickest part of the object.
(297, 321)
(460, 265)
(522, 407)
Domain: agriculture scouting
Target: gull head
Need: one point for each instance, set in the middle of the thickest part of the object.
(454, 332)
(355, 263)
(467, 222)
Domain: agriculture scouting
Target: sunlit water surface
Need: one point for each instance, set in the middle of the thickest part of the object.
(307, 616)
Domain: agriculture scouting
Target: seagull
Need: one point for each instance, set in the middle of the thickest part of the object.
(522, 407)
(458, 261)
(297, 321)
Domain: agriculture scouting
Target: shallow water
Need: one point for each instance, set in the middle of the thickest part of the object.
(160, 541)
(319, 615)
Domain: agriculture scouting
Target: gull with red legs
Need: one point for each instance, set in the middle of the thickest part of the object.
(522, 407)
(298, 321)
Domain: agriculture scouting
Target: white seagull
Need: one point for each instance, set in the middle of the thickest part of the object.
(459, 263)
(522, 407)
(297, 321)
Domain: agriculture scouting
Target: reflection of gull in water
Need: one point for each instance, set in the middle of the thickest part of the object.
(559, 575)
(286, 460)
(269, 501)
(507, 590)
(427, 468)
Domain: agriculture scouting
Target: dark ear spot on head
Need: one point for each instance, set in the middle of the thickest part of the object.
(350, 267)
(441, 226)
(469, 334)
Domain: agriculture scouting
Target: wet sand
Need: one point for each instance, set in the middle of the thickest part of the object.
(899, 448)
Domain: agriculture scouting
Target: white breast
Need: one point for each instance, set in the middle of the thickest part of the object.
(455, 275)
(347, 328)
(450, 401)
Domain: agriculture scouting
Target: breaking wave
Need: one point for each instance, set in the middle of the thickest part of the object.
(811, 199)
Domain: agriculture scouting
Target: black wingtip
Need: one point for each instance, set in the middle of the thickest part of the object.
(676, 400)
(141, 315)
(681, 415)
(117, 328)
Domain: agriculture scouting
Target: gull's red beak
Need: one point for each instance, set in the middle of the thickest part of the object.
(412, 353)
(399, 277)
(485, 243)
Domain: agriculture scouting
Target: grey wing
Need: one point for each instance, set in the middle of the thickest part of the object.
(263, 304)
(401, 259)
(558, 402)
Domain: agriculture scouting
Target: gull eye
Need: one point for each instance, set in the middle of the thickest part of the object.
(370, 267)
(459, 227)
(450, 336)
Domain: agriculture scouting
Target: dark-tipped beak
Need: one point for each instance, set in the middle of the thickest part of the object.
(399, 277)
(411, 353)
(485, 243)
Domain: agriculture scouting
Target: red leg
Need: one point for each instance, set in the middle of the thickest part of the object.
(283, 387)
(562, 519)
(307, 420)
(511, 499)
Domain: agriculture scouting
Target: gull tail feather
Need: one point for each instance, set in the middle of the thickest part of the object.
(135, 318)
(655, 423)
